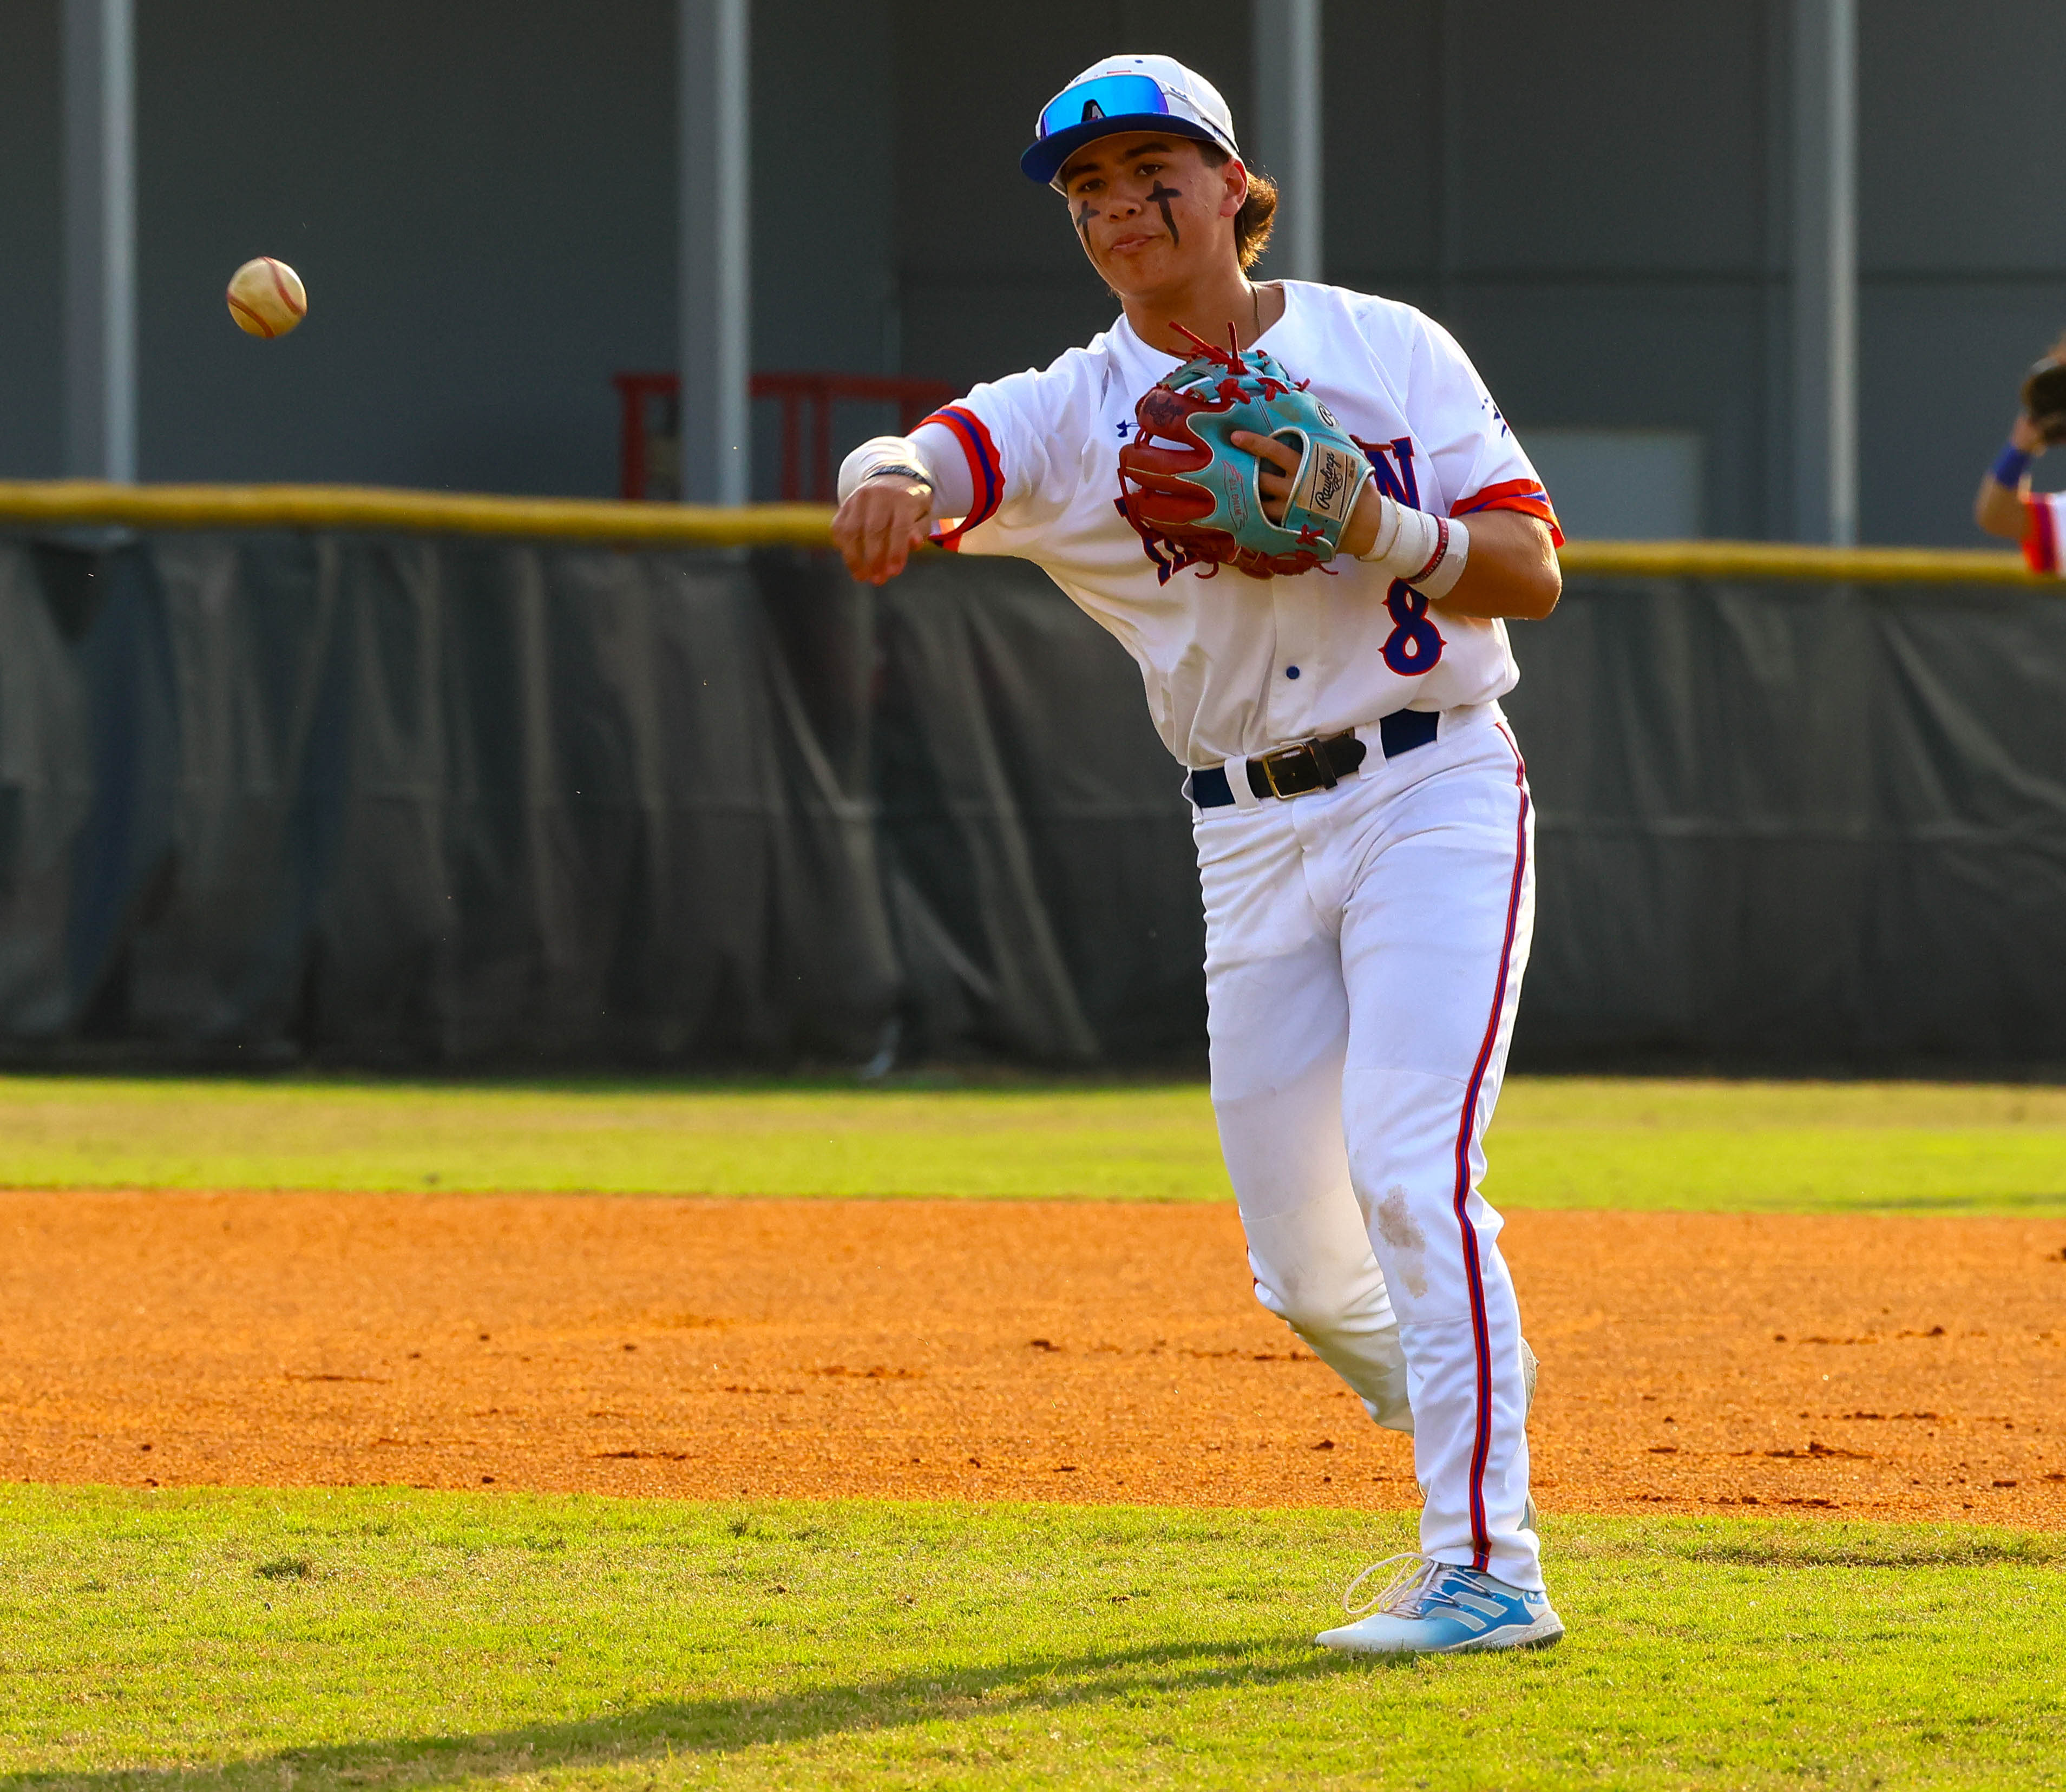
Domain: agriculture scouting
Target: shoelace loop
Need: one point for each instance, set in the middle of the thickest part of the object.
(1412, 1586)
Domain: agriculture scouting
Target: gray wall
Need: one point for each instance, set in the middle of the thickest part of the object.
(29, 257)
(1581, 193)
(825, 191)
(482, 200)
(479, 194)
(1962, 246)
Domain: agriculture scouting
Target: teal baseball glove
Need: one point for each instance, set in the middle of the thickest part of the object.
(1192, 493)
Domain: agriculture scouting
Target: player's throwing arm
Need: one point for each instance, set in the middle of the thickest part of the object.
(2006, 506)
(1300, 510)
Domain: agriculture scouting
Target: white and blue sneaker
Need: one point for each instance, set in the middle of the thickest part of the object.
(1431, 1608)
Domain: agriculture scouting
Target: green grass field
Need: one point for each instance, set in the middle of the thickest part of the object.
(278, 1641)
(1558, 1141)
(320, 1640)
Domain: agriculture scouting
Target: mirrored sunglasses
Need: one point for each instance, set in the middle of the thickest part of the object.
(1109, 96)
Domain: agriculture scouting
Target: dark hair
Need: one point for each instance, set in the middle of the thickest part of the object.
(1252, 222)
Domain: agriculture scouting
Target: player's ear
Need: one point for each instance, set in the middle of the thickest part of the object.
(1234, 175)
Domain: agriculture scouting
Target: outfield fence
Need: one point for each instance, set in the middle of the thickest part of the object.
(405, 777)
(81, 503)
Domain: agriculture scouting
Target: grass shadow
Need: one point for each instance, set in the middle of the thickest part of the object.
(1047, 1684)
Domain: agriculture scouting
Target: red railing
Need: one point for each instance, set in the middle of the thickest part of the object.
(642, 395)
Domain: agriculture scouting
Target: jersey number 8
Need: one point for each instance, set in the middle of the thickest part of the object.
(1414, 647)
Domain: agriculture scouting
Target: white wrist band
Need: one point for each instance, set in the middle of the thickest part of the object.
(1426, 552)
(881, 455)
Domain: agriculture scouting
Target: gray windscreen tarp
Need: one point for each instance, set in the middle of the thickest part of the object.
(432, 802)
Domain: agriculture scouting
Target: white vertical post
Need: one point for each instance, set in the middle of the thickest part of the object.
(1286, 135)
(1825, 271)
(99, 165)
(716, 271)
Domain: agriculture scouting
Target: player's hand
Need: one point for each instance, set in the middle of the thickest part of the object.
(1280, 466)
(877, 528)
(2024, 434)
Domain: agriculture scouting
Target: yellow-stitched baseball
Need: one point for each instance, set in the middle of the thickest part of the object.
(267, 297)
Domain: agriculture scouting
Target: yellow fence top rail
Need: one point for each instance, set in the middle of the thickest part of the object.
(1788, 559)
(67, 503)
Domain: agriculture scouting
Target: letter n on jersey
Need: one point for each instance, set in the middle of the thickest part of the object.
(1392, 464)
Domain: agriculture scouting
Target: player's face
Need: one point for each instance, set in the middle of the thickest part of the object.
(1148, 209)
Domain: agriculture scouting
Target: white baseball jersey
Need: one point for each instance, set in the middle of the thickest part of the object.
(1236, 666)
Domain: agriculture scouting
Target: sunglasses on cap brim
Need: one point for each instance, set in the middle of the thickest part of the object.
(1109, 96)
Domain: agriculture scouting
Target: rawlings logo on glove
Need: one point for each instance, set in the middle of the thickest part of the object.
(1192, 495)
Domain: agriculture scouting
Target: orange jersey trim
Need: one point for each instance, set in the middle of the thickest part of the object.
(986, 469)
(1524, 495)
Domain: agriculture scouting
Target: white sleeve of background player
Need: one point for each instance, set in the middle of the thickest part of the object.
(1477, 465)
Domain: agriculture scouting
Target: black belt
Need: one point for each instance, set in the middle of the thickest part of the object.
(1314, 764)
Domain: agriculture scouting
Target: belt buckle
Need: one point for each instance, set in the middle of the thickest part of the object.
(1306, 752)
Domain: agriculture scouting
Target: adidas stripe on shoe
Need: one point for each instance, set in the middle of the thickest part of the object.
(1432, 1608)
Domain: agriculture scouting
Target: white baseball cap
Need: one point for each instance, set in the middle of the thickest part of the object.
(1126, 93)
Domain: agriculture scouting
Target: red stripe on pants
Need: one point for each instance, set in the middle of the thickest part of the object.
(1474, 1273)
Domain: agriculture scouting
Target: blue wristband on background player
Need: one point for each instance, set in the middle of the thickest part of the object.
(2010, 465)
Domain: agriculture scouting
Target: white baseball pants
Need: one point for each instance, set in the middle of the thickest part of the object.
(1364, 948)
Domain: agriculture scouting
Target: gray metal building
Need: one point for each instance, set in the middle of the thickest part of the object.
(1635, 215)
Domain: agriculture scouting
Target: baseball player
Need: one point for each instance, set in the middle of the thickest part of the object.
(1361, 811)
(2006, 506)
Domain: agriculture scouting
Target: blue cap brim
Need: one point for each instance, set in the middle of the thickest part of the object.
(1044, 161)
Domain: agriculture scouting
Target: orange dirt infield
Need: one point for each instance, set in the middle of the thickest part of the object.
(1906, 1368)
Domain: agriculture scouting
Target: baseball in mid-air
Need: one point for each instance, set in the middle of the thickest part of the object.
(267, 297)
